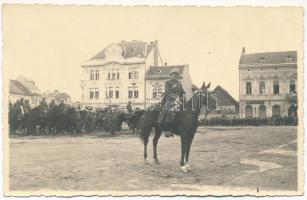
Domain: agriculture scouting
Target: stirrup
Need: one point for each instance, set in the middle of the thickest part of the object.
(169, 134)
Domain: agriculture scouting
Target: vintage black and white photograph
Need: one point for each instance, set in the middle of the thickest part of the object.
(152, 100)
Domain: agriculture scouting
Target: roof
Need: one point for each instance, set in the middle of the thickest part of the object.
(17, 88)
(29, 84)
(58, 96)
(269, 58)
(130, 49)
(219, 91)
(163, 72)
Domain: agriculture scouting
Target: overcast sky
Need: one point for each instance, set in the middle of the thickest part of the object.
(49, 43)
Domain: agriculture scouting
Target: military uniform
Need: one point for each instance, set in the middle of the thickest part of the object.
(43, 103)
(173, 90)
(171, 103)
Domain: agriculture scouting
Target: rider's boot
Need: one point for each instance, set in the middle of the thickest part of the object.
(170, 132)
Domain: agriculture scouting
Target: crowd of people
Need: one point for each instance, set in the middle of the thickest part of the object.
(234, 121)
(64, 119)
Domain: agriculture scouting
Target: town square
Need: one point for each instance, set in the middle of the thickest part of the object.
(152, 100)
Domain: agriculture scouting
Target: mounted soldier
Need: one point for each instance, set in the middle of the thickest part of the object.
(129, 107)
(171, 102)
(43, 103)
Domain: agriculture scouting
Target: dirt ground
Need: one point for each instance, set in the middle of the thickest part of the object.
(262, 158)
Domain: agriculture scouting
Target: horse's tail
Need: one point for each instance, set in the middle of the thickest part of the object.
(141, 126)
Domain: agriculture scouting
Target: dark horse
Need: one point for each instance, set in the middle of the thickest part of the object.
(37, 119)
(186, 123)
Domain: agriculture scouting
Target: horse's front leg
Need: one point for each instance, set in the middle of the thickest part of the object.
(146, 138)
(155, 144)
(145, 150)
(183, 152)
(188, 147)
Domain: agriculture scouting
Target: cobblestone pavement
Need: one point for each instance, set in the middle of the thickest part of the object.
(262, 158)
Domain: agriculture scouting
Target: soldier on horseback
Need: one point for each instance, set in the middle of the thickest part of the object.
(43, 103)
(171, 103)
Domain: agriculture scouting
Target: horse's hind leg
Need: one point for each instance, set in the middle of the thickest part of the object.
(183, 153)
(146, 137)
(155, 144)
(188, 147)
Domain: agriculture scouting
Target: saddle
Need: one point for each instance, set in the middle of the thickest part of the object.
(169, 112)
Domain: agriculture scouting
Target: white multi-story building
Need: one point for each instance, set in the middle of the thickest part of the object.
(116, 75)
(127, 71)
(268, 84)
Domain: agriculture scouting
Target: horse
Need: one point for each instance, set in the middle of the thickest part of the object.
(132, 119)
(37, 118)
(16, 118)
(186, 123)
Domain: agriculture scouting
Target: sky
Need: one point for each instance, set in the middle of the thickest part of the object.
(49, 43)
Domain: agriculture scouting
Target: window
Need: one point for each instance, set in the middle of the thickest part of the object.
(248, 111)
(248, 88)
(136, 75)
(292, 87)
(109, 76)
(96, 94)
(262, 60)
(110, 92)
(276, 110)
(117, 93)
(262, 87)
(157, 92)
(97, 74)
(289, 58)
(91, 94)
(262, 112)
(136, 93)
(133, 75)
(117, 75)
(92, 75)
(130, 92)
(113, 75)
(276, 87)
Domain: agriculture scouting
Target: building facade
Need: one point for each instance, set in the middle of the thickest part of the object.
(58, 97)
(24, 88)
(226, 105)
(268, 83)
(156, 76)
(116, 75)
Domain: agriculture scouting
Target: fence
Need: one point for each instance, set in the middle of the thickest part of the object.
(272, 121)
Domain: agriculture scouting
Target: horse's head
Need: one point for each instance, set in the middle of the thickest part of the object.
(201, 97)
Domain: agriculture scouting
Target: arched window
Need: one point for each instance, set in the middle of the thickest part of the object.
(248, 88)
(262, 111)
(262, 87)
(292, 87)
(276, 87)
(248, 111)
(276, 111)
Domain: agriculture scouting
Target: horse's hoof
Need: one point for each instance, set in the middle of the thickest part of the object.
(157, 162)
(187, 166)
(183, 169)
(146, 161)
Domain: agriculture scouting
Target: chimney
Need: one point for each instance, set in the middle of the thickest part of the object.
(243, 49)
(155, 52)
(165, 63)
